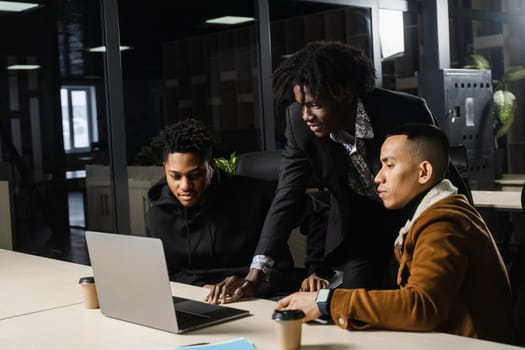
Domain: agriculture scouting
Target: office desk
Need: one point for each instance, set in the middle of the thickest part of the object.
(511, 181)
(73, 327)
(501, 200)
(31, 283)
(67, 327)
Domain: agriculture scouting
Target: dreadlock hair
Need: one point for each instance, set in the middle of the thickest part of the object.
(334, 67)
(186, 136)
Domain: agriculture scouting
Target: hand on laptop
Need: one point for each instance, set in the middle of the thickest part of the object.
(231, 289)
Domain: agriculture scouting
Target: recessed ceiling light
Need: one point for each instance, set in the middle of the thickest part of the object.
(16, 6)
(23, 67)
(103, 48)
(229, 20)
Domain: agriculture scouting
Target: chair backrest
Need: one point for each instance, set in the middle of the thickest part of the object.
(265, 165)
(260, 165)
(459, 157)
(458, 170)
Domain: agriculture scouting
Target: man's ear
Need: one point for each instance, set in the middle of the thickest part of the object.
(425, 172)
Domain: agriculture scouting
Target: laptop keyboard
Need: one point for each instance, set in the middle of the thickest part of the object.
(188, 319)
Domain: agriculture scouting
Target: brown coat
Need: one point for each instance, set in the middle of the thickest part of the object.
(451, 279)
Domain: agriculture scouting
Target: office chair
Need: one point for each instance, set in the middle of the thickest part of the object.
(459, 159)
(260, 165)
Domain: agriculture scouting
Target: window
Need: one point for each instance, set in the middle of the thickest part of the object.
(79, 119)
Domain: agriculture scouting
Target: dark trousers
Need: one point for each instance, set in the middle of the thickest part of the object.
(369, 273)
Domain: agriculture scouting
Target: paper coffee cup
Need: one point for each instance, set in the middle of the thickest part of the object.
(288, 324)
(89, 292)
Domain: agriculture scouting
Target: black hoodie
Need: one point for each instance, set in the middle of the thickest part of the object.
(206, 243)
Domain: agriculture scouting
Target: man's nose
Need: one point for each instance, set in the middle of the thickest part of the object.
(306, 113)
(185, 183)
(377, 178)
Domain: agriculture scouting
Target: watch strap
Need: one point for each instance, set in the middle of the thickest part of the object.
(324, 306)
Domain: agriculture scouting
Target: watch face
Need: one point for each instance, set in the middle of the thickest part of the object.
(322, 294)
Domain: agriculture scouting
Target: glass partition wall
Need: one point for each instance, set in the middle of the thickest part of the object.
(51, 105)
(64, 142)
(107, 75)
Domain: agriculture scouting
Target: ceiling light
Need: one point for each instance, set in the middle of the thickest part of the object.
(103, 48)
(16, 6)
(229, 20)
(23, 67)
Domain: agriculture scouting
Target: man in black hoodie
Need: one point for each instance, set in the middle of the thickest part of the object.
(208, 220)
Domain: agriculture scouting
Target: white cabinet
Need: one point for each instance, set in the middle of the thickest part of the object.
(6, 234)
(138, 204)
(100, 215)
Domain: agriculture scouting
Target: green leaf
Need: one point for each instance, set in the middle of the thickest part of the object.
(479, 62)
(504, 102)
(504, 106)
(227, 165)
(514, 74)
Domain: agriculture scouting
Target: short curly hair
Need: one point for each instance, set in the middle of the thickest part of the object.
(331, 66)
(186, 136)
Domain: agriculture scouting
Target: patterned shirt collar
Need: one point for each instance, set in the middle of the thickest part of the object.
(363, 127)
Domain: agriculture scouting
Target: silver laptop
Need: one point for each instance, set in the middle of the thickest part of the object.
(133, 285)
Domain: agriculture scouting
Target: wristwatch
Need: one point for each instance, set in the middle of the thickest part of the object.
(323, 300)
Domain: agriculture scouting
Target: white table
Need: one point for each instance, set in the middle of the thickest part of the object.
(72, 326)
(501, 200)
(511, 181)
(31, 283)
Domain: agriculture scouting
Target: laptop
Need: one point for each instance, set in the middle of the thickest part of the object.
(133, 285)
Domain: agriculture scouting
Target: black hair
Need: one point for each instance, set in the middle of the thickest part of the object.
(186, 136)
(329, 66)
(429, 143)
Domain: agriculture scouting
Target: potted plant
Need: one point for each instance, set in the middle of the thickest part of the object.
(226, 164)
(504, 104)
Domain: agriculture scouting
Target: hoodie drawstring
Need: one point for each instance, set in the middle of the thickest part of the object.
(188, 236)
(212, 238)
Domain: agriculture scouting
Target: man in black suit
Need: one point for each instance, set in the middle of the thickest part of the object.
(336, 123)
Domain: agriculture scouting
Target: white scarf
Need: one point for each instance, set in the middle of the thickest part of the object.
(443, 189)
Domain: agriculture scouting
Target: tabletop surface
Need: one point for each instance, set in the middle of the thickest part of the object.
(511, 180)
(30, 283)
(74, 327)
(505, 200)
(40, 303)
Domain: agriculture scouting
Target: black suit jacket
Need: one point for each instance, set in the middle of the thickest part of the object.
(357, 226)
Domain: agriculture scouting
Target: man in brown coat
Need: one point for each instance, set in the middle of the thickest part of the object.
(451, 277)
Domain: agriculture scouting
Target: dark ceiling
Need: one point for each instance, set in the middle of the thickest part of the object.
(145, 26)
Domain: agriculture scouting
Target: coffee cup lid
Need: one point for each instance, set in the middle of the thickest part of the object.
(285, 315)
(84, 280)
